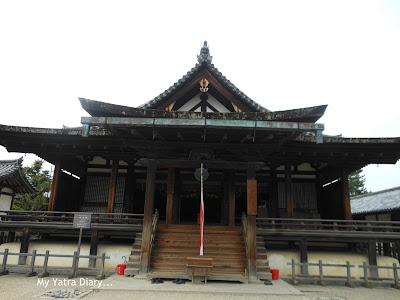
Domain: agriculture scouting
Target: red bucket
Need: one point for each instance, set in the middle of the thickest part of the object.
(121, 269)
(275, 274)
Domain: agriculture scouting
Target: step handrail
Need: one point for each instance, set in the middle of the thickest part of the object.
(154, 225)
(244, 227)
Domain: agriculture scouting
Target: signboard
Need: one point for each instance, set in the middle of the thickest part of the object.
(82, 220)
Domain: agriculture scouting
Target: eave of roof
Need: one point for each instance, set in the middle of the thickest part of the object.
(13, 176)
(103, 109)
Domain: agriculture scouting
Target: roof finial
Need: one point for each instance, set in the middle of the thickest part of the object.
(204, 54)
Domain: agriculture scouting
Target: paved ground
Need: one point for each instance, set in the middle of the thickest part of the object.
(16, 286)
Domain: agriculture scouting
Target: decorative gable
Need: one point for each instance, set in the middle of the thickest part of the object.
(204, 89)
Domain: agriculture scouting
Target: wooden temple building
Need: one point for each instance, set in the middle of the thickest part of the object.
(266, 168)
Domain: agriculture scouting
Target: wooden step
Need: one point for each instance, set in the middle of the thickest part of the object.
(177, 267)
(206, 237)
(194, 252)
(216, 261)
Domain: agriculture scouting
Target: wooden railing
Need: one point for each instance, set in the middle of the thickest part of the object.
(244, 228)
(327, 224)
(154, 225)
(68, 217)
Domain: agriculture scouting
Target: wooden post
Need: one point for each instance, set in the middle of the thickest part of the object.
(129, 191)
(24, 246)
(346, 194)
(148, 217)
(170, 195)
(54, 186)
(113, 185)
(303, 256)
(289, 190)
(251, 223)
(94, 242)
(372, 261)
(231, 197)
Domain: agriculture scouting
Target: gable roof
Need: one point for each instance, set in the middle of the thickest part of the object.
(204, 66)
(13, 176)
(386, 200)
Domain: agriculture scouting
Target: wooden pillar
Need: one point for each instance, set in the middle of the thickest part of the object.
(170, 195)
(303, 256)
(231, 197)
(251, 223)
(26, 235)
(94, 242)
(372, 258)
(148, 217)
(225, 200)
(129, 191)
(346, 194)
(113, 186)
(54, 186)
(289, 191)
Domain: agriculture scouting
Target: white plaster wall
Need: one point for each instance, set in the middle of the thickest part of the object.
(190, 104)
(384, 217)
(115, 251)
(5, 200)
(278, 260)
(218, 105)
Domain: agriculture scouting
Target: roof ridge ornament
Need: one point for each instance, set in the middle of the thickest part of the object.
(204, 54)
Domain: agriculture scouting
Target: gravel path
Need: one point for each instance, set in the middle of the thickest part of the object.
(16, 286)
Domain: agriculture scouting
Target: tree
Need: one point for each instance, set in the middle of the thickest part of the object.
(357, 183)
(40, 179)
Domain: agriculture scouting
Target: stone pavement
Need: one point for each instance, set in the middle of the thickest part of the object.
(279, 287)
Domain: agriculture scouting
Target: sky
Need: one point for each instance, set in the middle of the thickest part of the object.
(282, 54)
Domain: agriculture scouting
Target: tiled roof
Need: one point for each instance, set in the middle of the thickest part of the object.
(13, 176)
(381, 201)
(204, 58)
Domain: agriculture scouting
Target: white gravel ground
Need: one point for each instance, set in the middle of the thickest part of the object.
(16, 286)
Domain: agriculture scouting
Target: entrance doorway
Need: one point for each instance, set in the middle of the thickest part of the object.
(190, 207)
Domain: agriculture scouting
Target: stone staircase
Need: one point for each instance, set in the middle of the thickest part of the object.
(174, 243)
(133, 266)
(263, 269)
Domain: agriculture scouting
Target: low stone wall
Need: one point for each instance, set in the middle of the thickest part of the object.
(115, 251)
(278, 259)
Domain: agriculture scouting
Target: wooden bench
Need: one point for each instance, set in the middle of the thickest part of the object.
(199, 267)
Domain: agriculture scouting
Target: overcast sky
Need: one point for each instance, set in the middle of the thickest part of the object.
(282, 54)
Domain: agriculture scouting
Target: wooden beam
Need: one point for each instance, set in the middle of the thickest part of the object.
(289, 190)
(54, 186)
(251, 223)
(113, 186)
(147, 218)
(94, 242)
(231, 197)
(193, 163)
(170, 195)
(346, 195)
